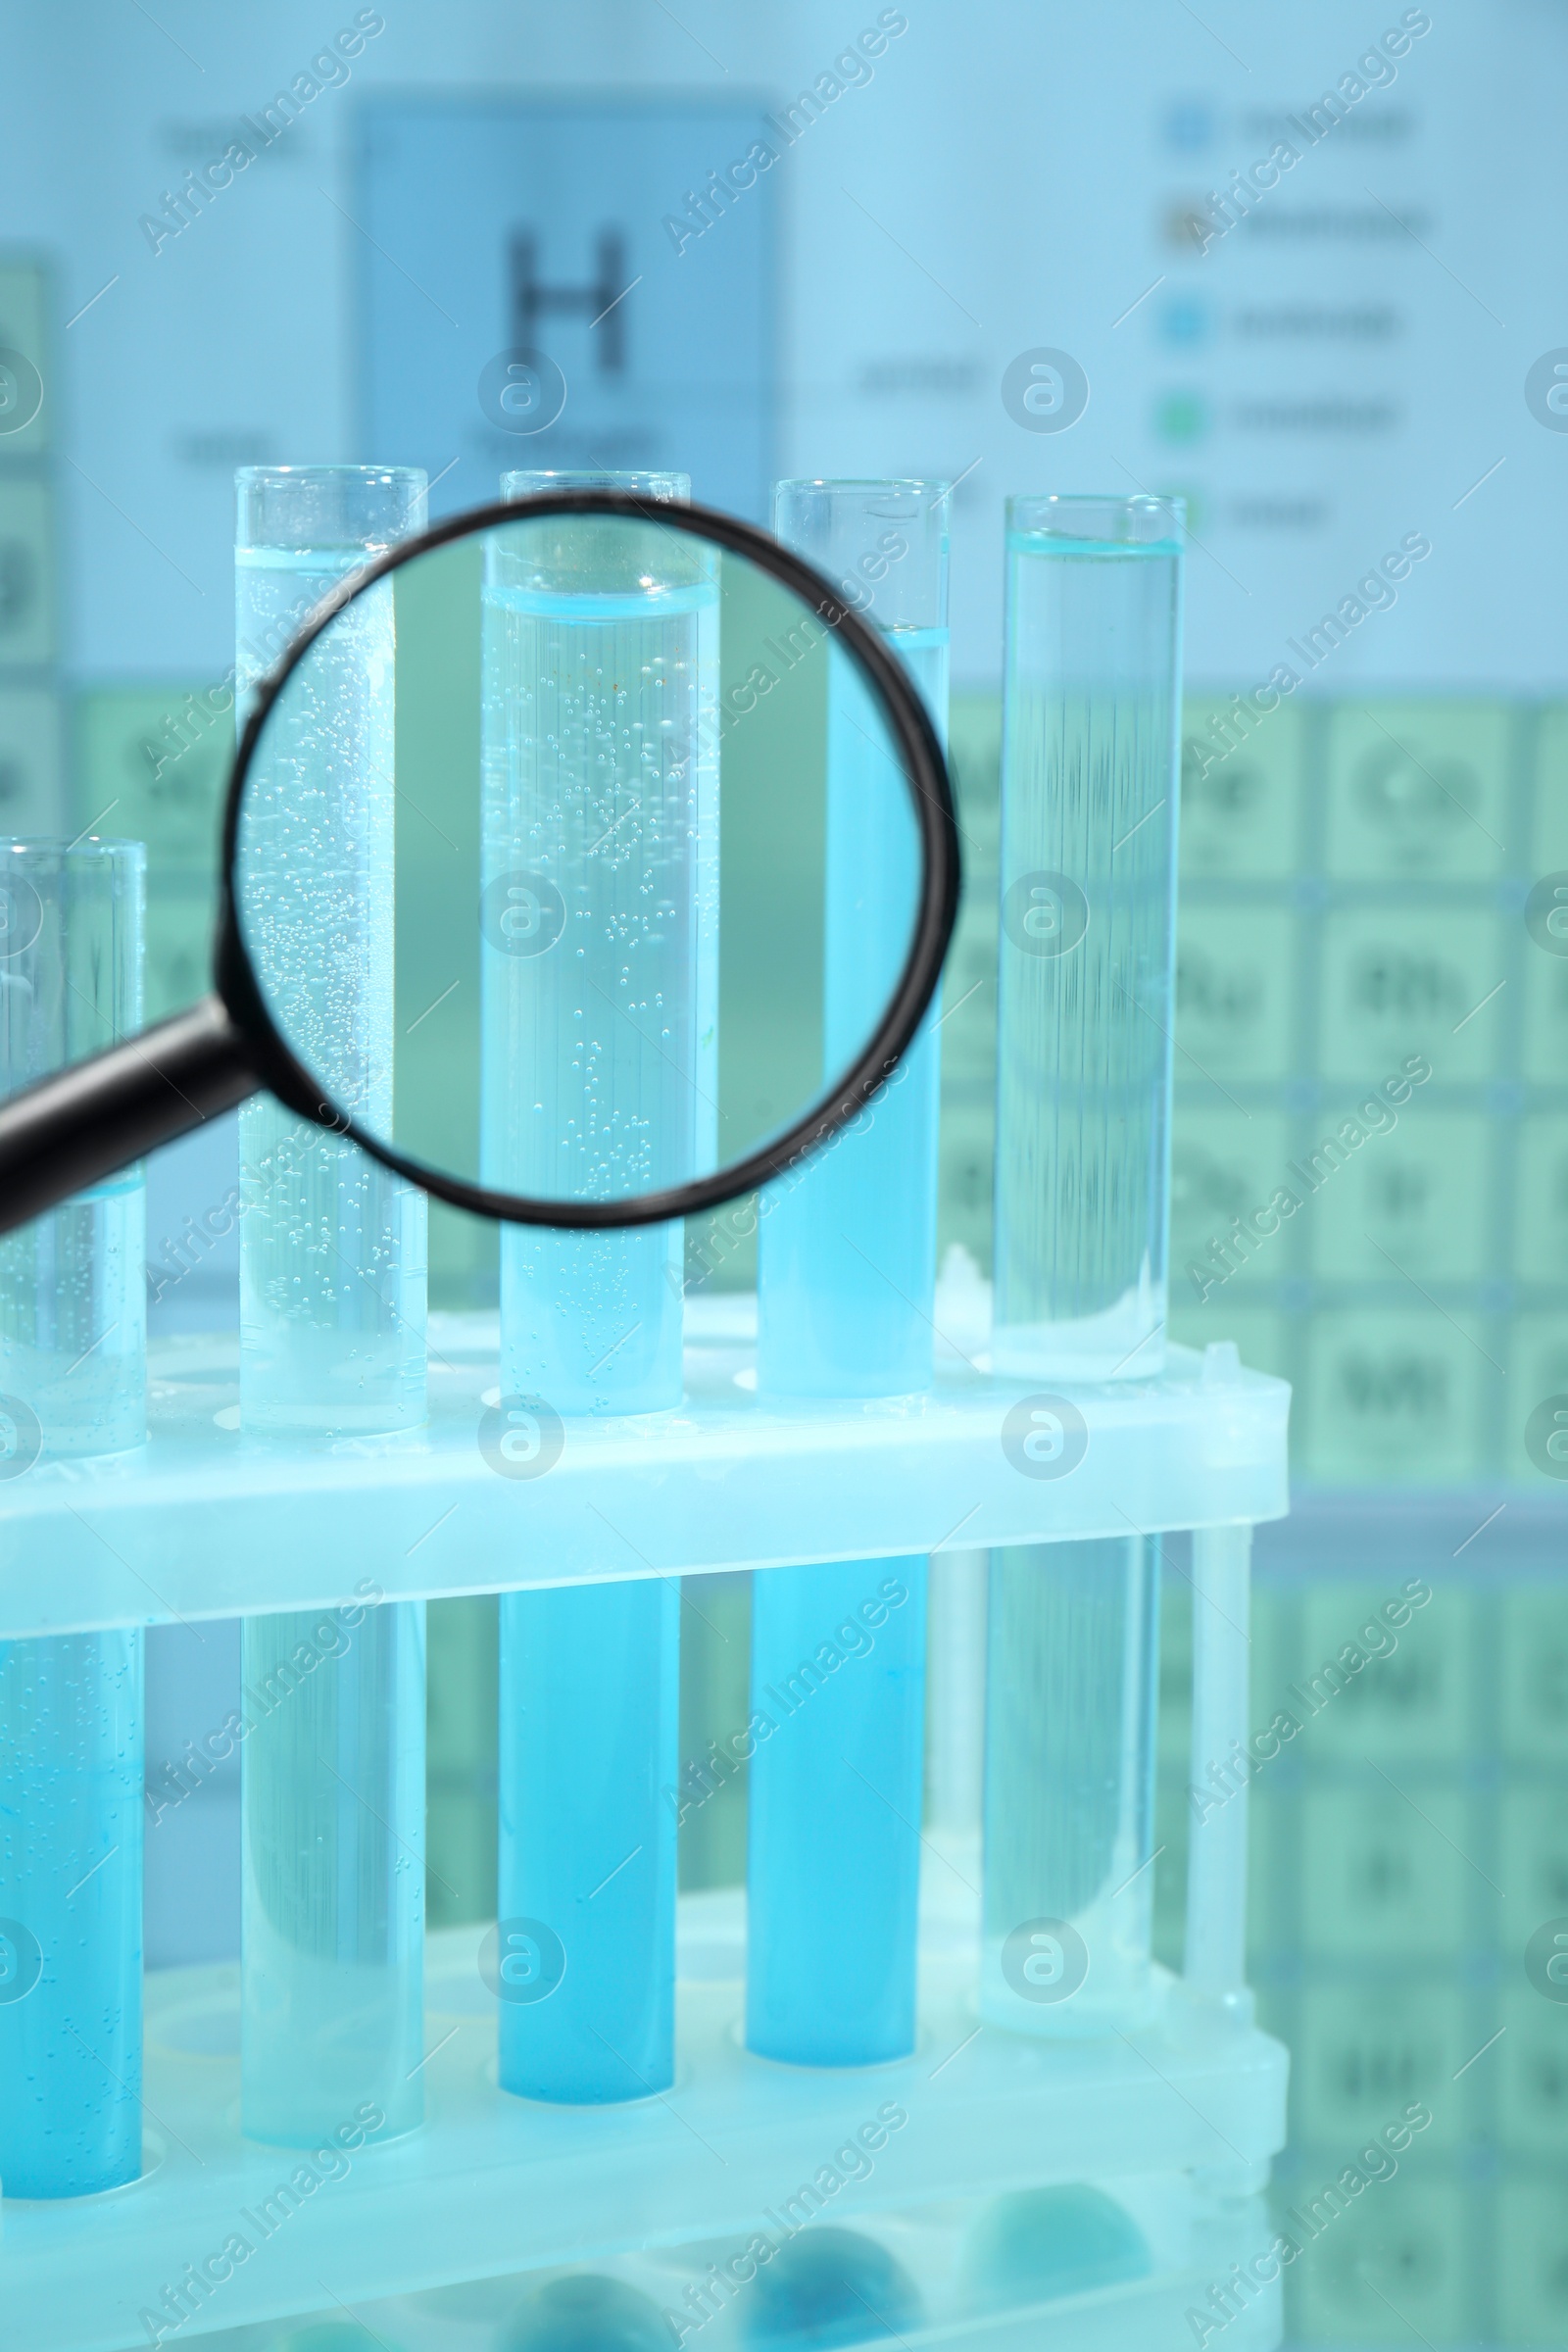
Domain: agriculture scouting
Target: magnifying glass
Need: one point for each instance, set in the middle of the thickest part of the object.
(537, 882)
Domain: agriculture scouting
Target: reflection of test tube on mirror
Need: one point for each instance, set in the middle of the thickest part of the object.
(73, 1382)
(599, 889)
(1070, 1694)
(333, 1265)
(846, 1273)
(1091, 730)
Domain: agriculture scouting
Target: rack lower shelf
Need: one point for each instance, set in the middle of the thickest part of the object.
(494, 2186)
(205, 1521)
(1193, 2240)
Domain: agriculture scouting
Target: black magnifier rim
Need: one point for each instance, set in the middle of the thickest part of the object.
(925, 772)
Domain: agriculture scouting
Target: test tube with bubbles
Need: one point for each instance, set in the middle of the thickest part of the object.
(846, 1275)
(73, 1382)
(332, 1305)
(332, 1254)
(1091, 729)
(600, 890)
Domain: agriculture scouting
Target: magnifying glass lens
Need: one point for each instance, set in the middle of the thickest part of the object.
(576, 859)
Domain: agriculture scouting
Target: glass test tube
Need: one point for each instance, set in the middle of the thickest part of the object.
(601, 670)
(1091, 732)
(846, 1273)
(72, 1381)
(600, 783)
(1090, 743)
(1070, 1785)
(332, 1284)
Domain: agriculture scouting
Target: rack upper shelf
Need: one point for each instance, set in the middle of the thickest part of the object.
(209, 1521)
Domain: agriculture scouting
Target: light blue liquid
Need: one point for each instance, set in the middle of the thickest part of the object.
(332, 1246)
(1084, 1035)
(847, 1244)
(846, 1274)
(332, 1338)
(597, 1083)
(833, 1862)
(73, 1382)
(596, 1077)
(334, 1870)
(1069, 1773)
(588, 1761)
(72, 1775)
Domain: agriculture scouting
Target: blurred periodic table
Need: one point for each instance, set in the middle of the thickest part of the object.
(1357, 881)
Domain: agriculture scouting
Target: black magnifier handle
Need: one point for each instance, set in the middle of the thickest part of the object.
(87, 1122)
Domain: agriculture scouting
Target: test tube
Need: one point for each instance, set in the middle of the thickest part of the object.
(1090, 731)
(1069, 1786)
(601, 663)
(73, 1382)
(845, 1276)
(847, 1253)
(333, 1304)
(594, 788)
(332, 1246)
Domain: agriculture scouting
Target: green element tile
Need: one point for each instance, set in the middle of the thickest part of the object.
(1549, 829)
(1531, 2066)
(1390, 2268)
(33, 795)
(1544, 982)
(465, 1260)
(1538, 1370)
(1412, 1199)
(1404, 981)
(1532, 1863)
(974, 755)
(1541, 1198)
(715, 1643)
(1418, 790)
(1241, 789)
(180, 927)
(1232, 994)
(461, 1759)
(29, 628)
(1175, 1673)
(1535, 1675)
(1531, 2268)
(151, 763)
(1172, 1823)
(1263, 1338)
(1364, 2051)
(965, 1166)
(1225, 1166)
(1398, 1395)
(1380, 1876)
(1410, 1702)
(23, 327)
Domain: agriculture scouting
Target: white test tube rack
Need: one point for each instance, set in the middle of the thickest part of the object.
(206, 1523)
